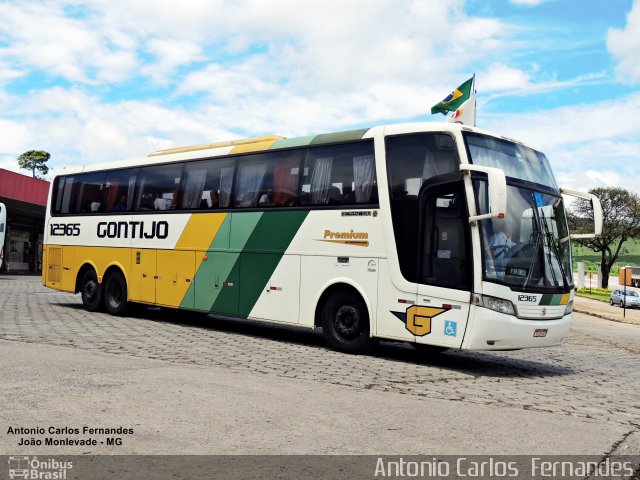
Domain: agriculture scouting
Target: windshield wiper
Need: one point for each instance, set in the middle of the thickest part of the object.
(537, 246)
(553, 247)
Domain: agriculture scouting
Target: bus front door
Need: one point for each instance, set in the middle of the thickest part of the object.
(444, 269)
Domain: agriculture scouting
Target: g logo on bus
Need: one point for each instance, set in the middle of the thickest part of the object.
(418, 319)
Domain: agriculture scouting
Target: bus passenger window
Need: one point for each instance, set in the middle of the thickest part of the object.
(90, 192)
(158, 187)
(268, 180)
(207, 184)
(119, 190)
(339, 175)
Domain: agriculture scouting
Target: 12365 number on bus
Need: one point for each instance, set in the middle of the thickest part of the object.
(64, 229)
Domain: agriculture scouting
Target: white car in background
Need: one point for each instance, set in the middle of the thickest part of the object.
(631, 300)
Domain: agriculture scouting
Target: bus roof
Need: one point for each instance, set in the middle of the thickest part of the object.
(271, 142)
(255, 142)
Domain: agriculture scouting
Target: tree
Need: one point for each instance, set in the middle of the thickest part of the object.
(35, 160)
(620, 222)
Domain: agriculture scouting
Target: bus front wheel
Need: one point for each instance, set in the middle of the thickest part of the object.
(115, 294)
(345, 323)
(91, 291)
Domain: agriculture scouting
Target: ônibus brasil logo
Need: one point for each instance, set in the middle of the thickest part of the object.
(34, 468)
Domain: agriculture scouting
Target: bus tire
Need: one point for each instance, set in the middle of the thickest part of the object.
(345, 323)
(115, 294)
(91, 291)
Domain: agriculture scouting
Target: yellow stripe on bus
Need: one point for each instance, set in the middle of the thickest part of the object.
(200, 231)
(254, 147)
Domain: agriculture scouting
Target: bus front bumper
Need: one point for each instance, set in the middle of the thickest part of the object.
(490, 330)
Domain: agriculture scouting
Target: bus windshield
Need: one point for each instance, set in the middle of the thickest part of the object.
(515, 160)
(530, 247)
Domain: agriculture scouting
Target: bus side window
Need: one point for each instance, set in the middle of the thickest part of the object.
(268, 180)
(63, 190)
(158, 187)
(119, 190)
(339, 175)
(207, 184)
(250, 182)
(90, 193)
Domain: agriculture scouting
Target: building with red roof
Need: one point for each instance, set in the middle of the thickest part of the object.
(25, 199)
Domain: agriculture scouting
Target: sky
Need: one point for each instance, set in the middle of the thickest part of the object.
(101, 80)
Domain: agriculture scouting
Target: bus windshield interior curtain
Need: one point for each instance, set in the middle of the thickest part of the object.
(192, 194)
(250, 180)
(285, 182)
(226, 182)
(130, 190)
(363, 177)
(321, 181)
(112, 193)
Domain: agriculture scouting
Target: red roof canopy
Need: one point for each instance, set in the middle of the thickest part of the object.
(23, 188)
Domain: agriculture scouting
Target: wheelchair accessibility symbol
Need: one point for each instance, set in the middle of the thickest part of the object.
(450, 328)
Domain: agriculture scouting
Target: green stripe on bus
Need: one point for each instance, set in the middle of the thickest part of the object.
(242, 227)
(257, 243)
(263, 252)
(339, 136)
(293, 142)
(551, 299)
(221, 265)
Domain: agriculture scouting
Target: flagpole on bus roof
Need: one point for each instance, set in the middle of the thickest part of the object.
(475, 102)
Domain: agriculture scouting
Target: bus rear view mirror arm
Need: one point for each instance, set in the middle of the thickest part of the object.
(497, 191)
(597, 212)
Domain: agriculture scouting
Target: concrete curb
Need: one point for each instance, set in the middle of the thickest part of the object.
(597, 309)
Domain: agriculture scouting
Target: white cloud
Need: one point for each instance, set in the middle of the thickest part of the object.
(42, 37)
(624, 45)
(13, 136)
(574, 124)
(170, 54)
(500, 77)
(588, 145)
(528, 3)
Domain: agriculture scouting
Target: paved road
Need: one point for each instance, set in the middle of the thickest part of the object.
(211, 386)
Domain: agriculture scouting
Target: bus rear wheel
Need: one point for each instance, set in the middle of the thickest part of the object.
(115, 294)
(91, 291)
(345, 323)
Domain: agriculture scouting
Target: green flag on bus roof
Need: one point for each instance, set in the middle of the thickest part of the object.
(454, 99)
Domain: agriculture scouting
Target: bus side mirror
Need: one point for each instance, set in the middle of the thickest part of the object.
(497, 191)
(597, 212)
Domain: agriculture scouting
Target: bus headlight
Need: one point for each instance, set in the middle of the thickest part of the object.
(569, 308)
(498, 305)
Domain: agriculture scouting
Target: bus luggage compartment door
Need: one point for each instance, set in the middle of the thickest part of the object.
(217, 282)
(143, 282)
(175, 269)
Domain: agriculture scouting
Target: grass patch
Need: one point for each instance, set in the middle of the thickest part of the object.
(602, 294)
(629, 255)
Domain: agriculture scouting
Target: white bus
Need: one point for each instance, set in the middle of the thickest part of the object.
(392, 232)
(3, 230)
